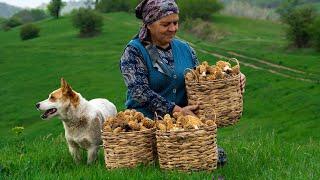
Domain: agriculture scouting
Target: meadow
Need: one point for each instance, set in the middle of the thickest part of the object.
(277, 137)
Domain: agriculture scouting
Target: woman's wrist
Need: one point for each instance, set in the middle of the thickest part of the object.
(176, 109)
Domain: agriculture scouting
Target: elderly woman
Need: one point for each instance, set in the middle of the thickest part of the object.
(154, 62)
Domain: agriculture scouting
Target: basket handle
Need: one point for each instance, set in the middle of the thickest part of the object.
(234, 60)
(194, 74)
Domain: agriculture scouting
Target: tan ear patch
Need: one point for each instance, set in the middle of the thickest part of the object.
(55, 95)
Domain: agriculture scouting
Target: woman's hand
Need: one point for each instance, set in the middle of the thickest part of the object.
(242, 82)
(187, 110)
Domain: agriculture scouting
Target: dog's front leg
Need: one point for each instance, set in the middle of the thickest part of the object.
(75, 151)
(92, 154)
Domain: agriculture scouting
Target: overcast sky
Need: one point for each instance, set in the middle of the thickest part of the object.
(26, 3)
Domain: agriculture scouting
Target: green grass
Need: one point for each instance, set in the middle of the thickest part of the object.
(261, 39)
(277, 137)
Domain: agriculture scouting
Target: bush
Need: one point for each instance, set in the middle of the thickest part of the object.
(11, 23)
(106, 6)
(203, 30)
(29, 31)
(88, 21)
(315, 33)
(30, 15)
(198, 8)
(299, 21)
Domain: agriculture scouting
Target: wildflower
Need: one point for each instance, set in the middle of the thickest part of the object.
(18, 130)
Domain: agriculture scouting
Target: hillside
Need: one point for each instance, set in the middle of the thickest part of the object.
(7, 10)
(270, 3)
(277, 137)
(69, 6)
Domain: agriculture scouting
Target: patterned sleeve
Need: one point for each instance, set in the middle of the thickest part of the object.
(194, 57)
(135, 76)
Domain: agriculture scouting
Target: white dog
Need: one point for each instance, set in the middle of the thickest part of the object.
(82, 119)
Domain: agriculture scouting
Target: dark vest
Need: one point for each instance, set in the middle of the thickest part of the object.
(171, 87)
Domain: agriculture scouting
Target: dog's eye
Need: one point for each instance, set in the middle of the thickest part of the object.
(52, 98)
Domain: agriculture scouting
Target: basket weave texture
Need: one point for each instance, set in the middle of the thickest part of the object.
(222, 97)
(188, 150)
(128, 149)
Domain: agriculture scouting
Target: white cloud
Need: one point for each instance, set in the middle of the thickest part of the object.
(25, 3)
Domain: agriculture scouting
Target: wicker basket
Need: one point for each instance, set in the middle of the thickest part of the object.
(223, 96)
(188, 150)
(128, 149)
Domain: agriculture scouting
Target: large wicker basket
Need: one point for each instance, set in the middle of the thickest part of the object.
(223, 96)
(188, 150)
(128, 149)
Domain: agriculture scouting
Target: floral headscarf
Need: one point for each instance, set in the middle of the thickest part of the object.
(151, 11)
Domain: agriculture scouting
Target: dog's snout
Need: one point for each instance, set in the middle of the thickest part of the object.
(37, 105)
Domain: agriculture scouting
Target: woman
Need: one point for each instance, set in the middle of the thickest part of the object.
(154, 62)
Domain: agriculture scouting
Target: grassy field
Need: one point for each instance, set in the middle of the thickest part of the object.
(277, 138)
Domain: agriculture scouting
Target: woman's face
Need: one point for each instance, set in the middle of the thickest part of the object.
(164, 30)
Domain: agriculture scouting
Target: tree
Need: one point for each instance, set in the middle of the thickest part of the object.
(106, 6)
(30, 15)
(88, 21)
(54, 8)
(202, 9)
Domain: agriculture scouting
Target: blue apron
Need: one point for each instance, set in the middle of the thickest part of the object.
(171, 85)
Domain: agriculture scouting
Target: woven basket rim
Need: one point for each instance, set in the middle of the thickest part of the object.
(214, 81)
(188, 130)
(127, 133)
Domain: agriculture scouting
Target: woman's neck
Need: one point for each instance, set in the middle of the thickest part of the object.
(159, 44)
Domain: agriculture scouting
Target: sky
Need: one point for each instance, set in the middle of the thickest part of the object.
(25, 3)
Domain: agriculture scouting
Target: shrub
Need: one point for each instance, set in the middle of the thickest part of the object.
(88, 21)
(30, 15)
(106, 6)
(198, 8)
(315, 33)
(11, 23)
(29, 31)
(299, 21)
(203, 30)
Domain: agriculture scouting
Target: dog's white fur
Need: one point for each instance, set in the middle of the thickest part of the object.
(82, 119)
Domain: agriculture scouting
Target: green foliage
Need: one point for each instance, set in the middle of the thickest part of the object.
(203, 29)
(11, 23)
(198, 8)
(29, 31)
(315, 33)
(116, 5)
(298, 20)
(54, 8)
(30, 15)
(286, 8)
(88, 21)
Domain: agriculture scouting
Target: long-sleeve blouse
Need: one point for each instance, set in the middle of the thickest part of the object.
(135, 73)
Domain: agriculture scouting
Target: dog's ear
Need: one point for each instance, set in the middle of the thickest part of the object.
(66, 88)
(63, 83)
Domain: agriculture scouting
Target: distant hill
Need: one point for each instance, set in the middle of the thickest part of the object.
(269, 3)
(7, 10)
(70, 5)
